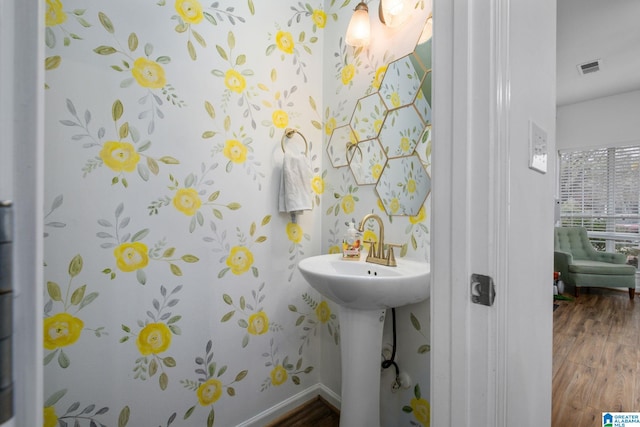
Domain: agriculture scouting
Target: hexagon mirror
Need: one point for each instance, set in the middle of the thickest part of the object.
(401, 81)
(401, 131)
(403, 186)
(368, 116)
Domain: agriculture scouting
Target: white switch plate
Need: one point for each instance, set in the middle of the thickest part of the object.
(537, 148)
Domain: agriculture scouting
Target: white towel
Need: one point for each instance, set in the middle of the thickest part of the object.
(295, 184)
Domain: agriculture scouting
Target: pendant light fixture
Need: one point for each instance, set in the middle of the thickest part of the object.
(359, 29)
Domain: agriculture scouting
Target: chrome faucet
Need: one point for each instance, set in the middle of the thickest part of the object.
(377, 256)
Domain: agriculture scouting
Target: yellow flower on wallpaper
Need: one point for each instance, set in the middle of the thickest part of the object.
(119, 156)
(376, 170)
(278, 375)
(235, 151)
(330, 125)
(153, 339)
(148, 73)
(405, 144)
(234, 81)
(258, 323)
(239, 260)
(61, 330)
(377, 79)
(317, 184)
(294, 232)
(421, 410)
(319, 18)
(50, 417)
(280, 119)
(209, 392)
(394, 205)
(422, 214)
(323, 312)
(335, 249)
(284, 41)
(54, 15)
(187, 201)
(190, 11)
(348, 204)
(131, 256)
(411, 185)
(395, 99)
(348, 72)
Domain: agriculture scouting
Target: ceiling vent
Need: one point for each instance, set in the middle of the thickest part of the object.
(589, 67)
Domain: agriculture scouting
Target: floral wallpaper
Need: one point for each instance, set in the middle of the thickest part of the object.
(172, 295)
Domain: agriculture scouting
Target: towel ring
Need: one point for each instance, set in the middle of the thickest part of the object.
(288, 132)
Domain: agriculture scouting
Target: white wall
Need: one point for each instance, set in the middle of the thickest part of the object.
(608, 121)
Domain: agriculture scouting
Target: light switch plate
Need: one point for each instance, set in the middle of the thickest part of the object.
(537, 148)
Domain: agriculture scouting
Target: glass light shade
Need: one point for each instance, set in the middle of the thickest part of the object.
(394, 12)
(427, 31)
(359, 29)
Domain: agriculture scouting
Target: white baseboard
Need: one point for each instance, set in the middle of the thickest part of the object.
(291, 403)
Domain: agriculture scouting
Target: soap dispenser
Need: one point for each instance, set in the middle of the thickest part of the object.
(351, 243)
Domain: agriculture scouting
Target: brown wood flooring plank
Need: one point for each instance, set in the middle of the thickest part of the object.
(596, 357)
(314, 413)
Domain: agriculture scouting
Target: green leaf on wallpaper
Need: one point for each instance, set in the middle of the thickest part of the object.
(223, 272)
(190, 258)
(50, 357)
(192, 50)
(243, 323)
(234, 206)
(174, 319)
(295, 379)
(168, 253)
(210, 110)
(117, 109)
(293, 308)
(168, 160)
(270, 49)
(140, 235)
(148, 49)
(153, 167)
(227, 299)
(255, 271)
(261, 239)
(105, 50)
(300, 320)
(227, 316)
(63, 360)
(75, 266)
(221, 371)
(153, 367)
(124, 130)
(66, 41)
(127, 82)
(241, 375)
(425, 348)
(143, 172)
(49, 38)
(266, 219)
(106, 22)
(252, 8)
(241, 59)
(163, 381)
(55, 397)
(222, 52)
(163, 59)
(211, 418)
(133, 42)
(78, 294)
(231, 40)
(54, 291)
(407, 409)
(189, 412)
(169, 362)
(175, 270)
(199, 38)
(243, 303)
(415, 322)
(52, 62)
(123, 418)
(231, 391)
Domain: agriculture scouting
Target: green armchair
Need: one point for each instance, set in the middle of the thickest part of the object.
(581, 265)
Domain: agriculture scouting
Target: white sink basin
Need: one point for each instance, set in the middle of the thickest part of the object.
(366, 286)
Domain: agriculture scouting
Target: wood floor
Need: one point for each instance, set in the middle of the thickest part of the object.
(315, 413)
(596, 357)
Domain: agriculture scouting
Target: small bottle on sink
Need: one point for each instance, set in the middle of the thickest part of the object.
(351, 244)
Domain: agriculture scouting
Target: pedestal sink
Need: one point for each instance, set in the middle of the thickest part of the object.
(363, 292)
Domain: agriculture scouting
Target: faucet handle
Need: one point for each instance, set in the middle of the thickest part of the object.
(372, 249)
(391, 259)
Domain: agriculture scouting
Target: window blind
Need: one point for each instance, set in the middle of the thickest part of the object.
(600, 189)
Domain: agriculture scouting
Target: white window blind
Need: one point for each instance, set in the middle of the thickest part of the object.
(600, 190)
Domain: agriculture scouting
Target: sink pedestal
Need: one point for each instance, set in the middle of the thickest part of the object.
(361, 347)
